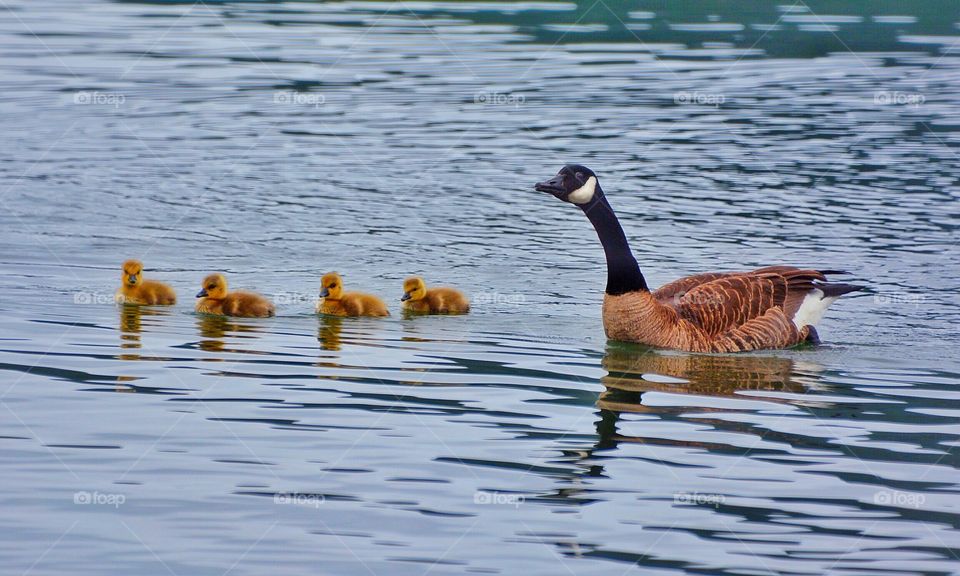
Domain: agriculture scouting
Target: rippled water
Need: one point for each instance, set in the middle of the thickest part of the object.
(279, 141)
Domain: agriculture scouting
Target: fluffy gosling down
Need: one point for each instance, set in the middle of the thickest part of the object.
(336, 302)
(418, 298)
(135, 290)
(216, 299)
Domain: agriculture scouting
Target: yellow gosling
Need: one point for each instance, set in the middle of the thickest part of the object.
(135, 290)
(418, 298)
(336, 302)
(216, 299)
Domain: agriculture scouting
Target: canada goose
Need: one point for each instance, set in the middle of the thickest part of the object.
(135, 290)
(336, 302)
(418, 298)
(216, 299)
(772, 307)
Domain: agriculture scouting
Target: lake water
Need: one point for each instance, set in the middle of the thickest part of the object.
(278, 141)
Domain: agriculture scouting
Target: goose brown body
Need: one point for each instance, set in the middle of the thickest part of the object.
(771, 307)
(716, 312)
(135, 290)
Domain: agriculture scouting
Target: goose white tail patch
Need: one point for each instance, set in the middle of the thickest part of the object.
(585, 193)
(812, 309)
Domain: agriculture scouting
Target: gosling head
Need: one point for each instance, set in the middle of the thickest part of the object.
(214, 286)
(573, 183)
(132, 272)
(414, 288)
(331, 286)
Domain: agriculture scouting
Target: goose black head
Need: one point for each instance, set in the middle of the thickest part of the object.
(573, 183)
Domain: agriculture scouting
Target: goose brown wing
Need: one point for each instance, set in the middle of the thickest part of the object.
(669, 293)
(728, 302)
(732, 301)
(771, 330)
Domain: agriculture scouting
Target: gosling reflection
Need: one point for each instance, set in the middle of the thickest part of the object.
(412, 330)
(331, 328)
(131, 326)
(336, 332)
(216, 329)
(121, 385)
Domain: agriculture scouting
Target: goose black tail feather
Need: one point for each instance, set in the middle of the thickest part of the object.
(831, 290)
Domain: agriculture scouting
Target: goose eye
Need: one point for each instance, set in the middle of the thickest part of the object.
(579, 175)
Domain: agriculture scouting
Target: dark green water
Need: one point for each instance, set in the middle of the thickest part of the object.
(278, 141)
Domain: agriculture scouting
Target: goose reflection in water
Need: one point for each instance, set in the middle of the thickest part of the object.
(633, 370)
(642, 369)
(215, 329)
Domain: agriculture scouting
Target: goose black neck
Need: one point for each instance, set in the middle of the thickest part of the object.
(623, 272)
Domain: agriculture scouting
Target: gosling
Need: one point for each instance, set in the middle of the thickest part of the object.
(418, 298)
(216, 299)
(336, 302)
(135, 290)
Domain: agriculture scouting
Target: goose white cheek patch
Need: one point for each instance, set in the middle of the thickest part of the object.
(584, 194)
